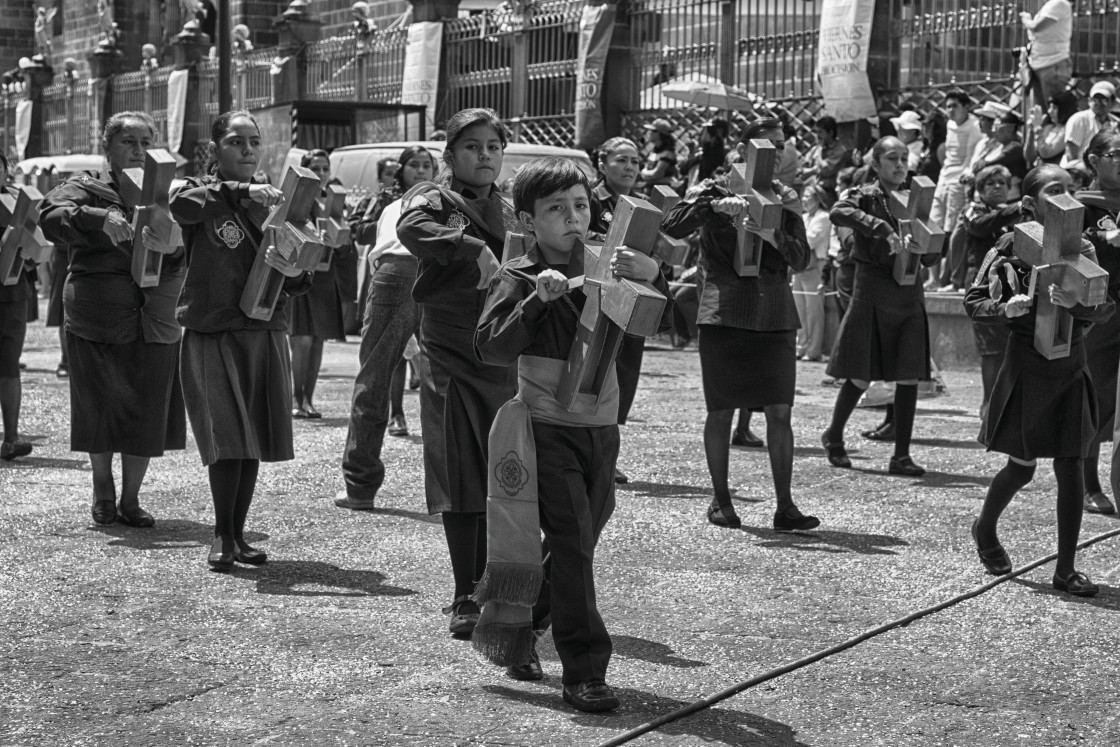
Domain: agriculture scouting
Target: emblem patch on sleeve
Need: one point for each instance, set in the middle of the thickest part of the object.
(231, 234)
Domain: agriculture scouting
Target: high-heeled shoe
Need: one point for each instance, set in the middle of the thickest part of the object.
(244, 553)
(221, 553)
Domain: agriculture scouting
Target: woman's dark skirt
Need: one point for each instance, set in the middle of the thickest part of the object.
(318, 313)
(238, 389)
(125, 398)
(1102, 348)
(991, 339)
(458, 401)
(1040, 408)
(13, 331)
(885, 333)
(745, 368)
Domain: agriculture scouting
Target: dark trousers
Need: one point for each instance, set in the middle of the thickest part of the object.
(628, 365)
(391, 317)
(575, 483)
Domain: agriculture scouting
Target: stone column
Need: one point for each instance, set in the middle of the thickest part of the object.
(298, 27)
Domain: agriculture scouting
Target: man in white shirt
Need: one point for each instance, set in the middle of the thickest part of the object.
(960, 142)
(1049, 32)
(1081, 127)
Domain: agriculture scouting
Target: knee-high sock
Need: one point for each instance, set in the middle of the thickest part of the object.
(1071, 491)
(1007, 482)
(462, 532)
(1092, 469)
(905, 404)
(225, 477)
(246, 486)
(846, 401)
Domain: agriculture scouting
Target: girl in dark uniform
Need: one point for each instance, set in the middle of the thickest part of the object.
(315, 316)
(747, 324)
(457, 230)
(1102, 343)
(122, 340)
(237, 375)
(13, 330)
(1039, 407)
(885, 334)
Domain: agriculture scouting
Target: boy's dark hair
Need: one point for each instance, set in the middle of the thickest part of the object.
(827, 123)
(961, 98)
(542, 177)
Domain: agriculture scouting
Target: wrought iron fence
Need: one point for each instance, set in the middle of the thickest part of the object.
(253, 78)
(384, 59)
(332, 68)
(557, 130)
(56, 125)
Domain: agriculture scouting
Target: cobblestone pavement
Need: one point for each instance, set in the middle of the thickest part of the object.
(119, 636)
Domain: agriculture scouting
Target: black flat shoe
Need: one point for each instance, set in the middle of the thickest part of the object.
(995, 559)
(220, 558)
(464, 616)
(620, 477)
(1076, 583)
(243, 553)
(312, 413)
(134, 516)
(792, 520)
(104, 512)
(905, 467)
(10, 450)
(836, 453)
(882, 433)
(592, 696)
(528, 672)
(747, 439)
(723, 517)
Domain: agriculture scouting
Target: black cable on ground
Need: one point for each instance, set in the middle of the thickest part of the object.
(711, 700)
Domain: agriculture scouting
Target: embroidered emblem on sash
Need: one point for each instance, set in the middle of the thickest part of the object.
(511, 474)
(457, 221)
(231, 234)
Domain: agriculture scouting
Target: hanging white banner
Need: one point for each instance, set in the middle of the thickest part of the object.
(176, 108)
(845, 36)
(23, 128)
(421, 67)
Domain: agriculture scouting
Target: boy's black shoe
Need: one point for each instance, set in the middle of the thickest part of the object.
(792, 520)
(592, 696)
(527, 672)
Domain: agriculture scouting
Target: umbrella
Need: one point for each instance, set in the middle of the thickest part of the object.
(64, 164)
(710, 94)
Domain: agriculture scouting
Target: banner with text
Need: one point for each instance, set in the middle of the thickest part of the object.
(595, 27)
(845, 36)
(177, 84)
(421, 67)
(23, 128)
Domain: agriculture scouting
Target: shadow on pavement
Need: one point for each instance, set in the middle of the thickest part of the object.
(167, 534)
(629, 647)
(934, 479)
(714, 725)
(286, 577)
(827, 541)
(1108, 598)
(948, 443)
(663, 490)
(34, 462)
(414, 515)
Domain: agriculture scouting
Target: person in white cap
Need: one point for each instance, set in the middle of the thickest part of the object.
(1081, 127)
(908, 125)
(1049, 65)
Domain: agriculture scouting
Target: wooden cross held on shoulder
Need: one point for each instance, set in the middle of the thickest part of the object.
(146, 191)
(1054, 255)
(20, 213)
(667, 249)
(753, 180)
(290, 229)
(912, 211)
(331, 212)
(614, 306)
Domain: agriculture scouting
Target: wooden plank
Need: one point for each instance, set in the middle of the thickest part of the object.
(753, 180)
(669, 250)
(21, 216)
(515, 246)
(146, 192)
(912, 209)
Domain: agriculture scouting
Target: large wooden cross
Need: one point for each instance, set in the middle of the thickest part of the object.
(331, 211)
(516, 245)
(146, 191)
(667, 249)
(1054, 254)
(911, 208)
(22, 239)
(614, 306)
(753, 180)
(290, 229)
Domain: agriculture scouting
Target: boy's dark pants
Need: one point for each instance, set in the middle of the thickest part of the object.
(575, 479)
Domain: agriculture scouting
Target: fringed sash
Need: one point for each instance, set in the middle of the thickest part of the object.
(512, 580)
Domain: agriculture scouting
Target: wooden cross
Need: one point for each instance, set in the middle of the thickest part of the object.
(669, 250)
(146, 191)
(912, 210)
(753, 180)
(289, 228)
(20, 213)
(614, 306)
(331, 211)
(1054, 255)
(516, 245)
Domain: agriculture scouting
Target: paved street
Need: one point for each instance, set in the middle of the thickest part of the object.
(119, 636)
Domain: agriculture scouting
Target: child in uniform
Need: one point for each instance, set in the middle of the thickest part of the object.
(531, 319)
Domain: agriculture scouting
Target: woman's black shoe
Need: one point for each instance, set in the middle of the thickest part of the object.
(746, 438)
(995, 559)
(905, 467)
(221, 553)
(836, 453)
(792, 520)
(243, 553)
(134, 516)
(884, 432)
(464, 616)
(1076, 583)
(104, 512)
(723, 517)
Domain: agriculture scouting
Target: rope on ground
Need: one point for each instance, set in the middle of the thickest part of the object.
(711, 700)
